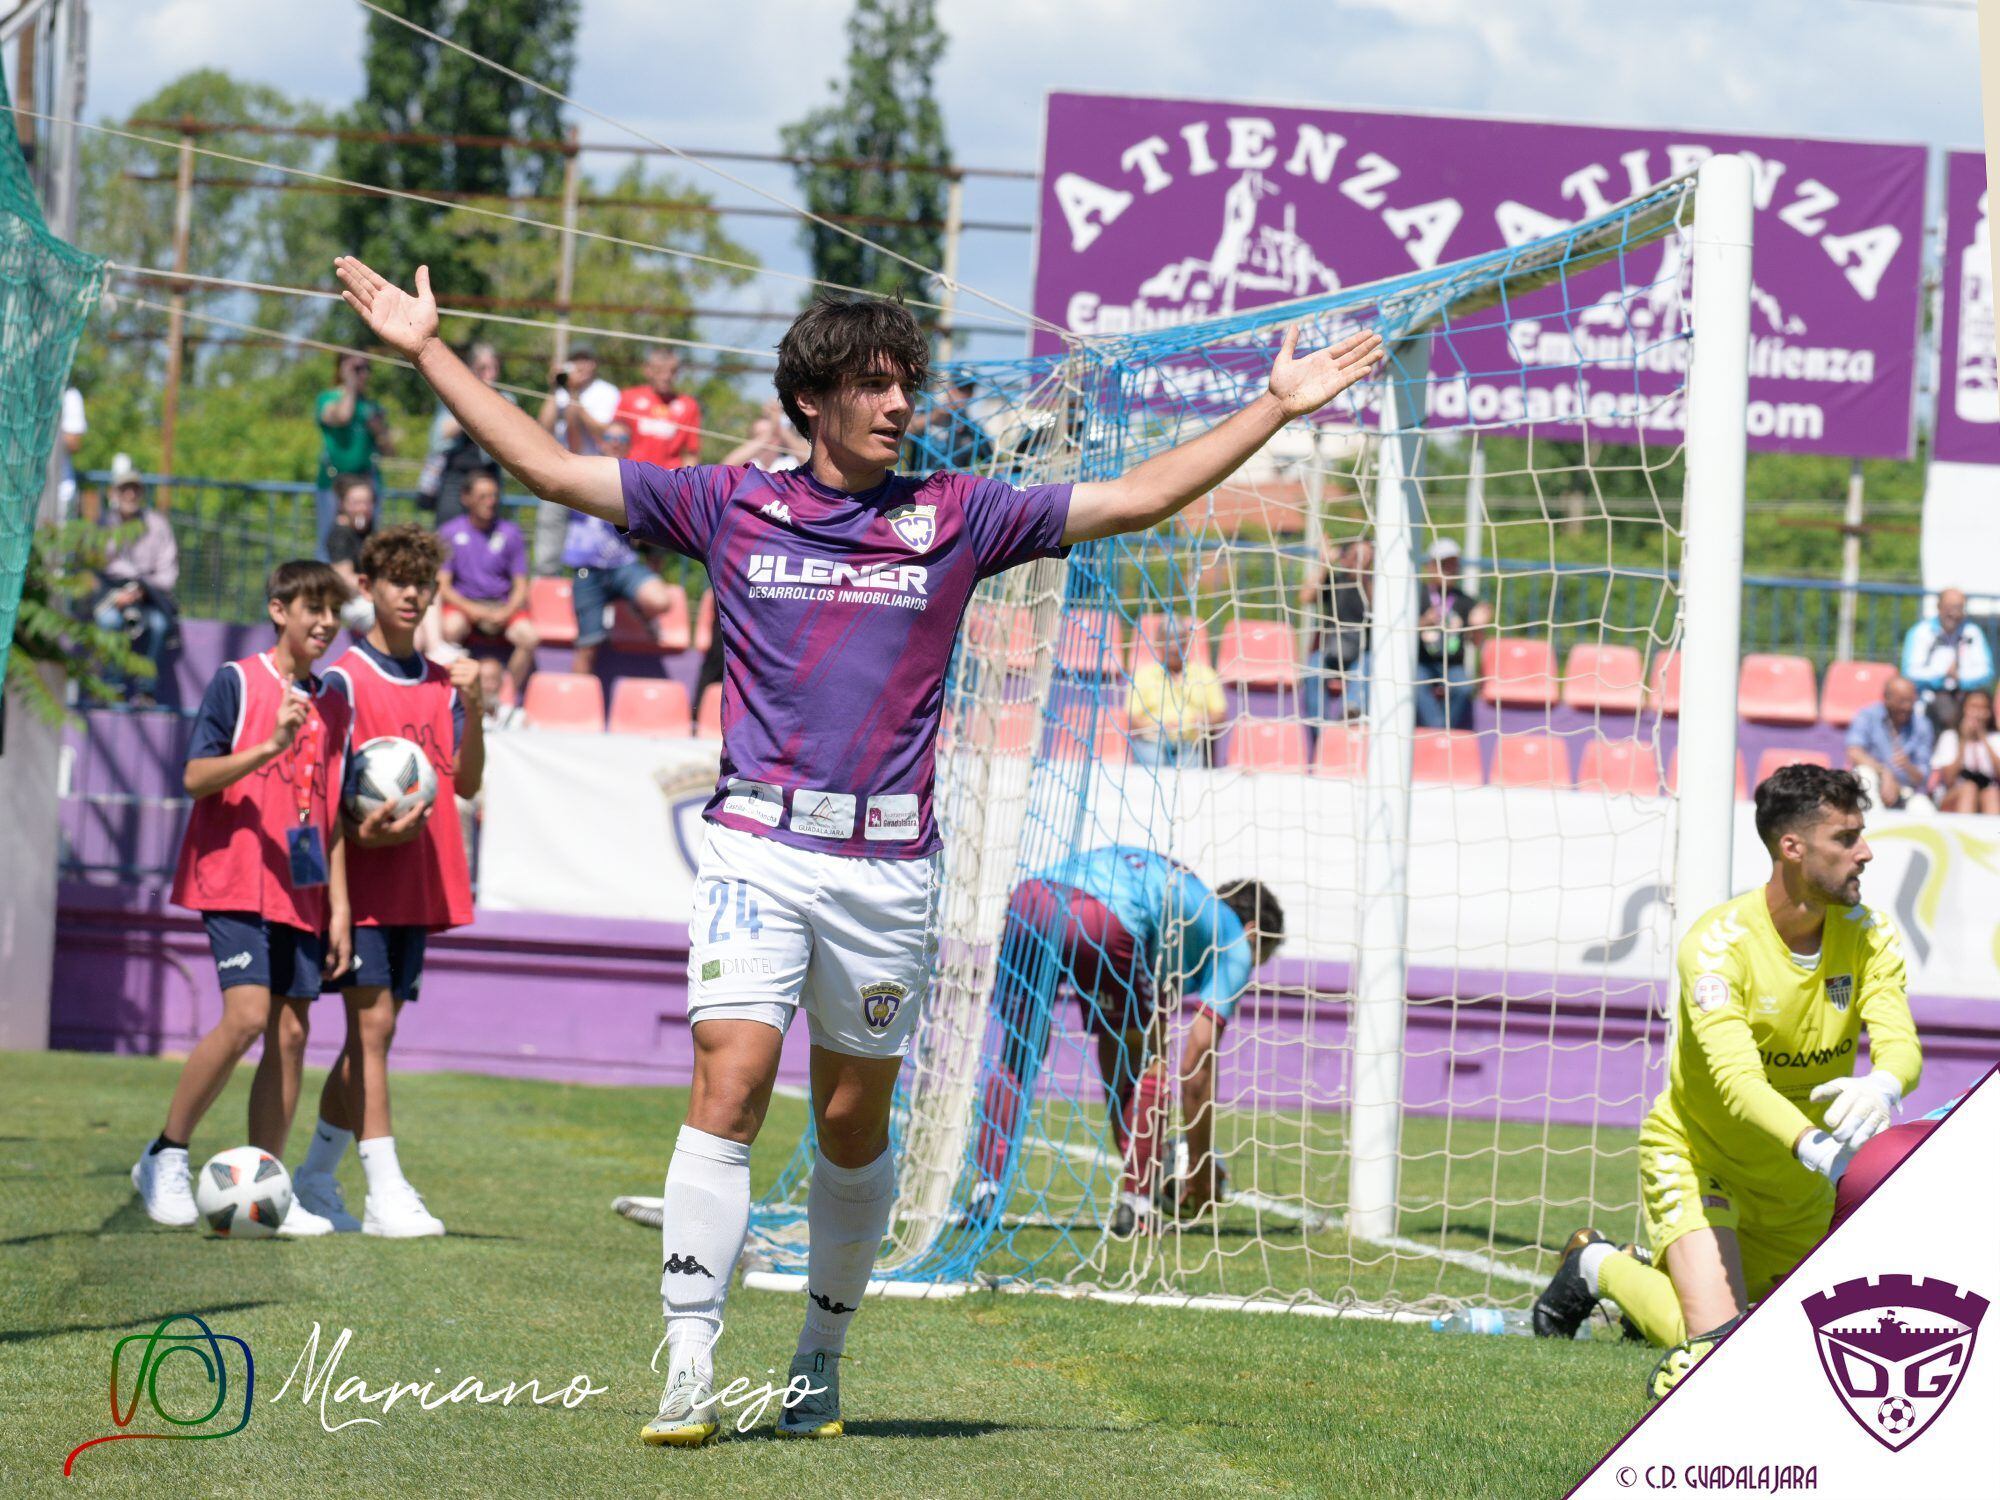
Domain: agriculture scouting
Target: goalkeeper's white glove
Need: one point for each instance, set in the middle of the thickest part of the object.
(1860, 1108)
(1823, 1154)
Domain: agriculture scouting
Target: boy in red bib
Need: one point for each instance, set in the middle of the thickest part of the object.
(263, 862)
(404, 886)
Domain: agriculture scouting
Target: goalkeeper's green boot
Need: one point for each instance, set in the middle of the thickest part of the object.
(1684, 1356)
(816, 1414)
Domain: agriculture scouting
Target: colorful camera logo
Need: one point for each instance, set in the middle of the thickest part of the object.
(228, 1391)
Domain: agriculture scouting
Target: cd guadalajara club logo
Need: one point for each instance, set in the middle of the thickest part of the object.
(1895, 1350)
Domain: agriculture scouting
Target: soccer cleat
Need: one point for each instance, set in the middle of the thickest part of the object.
(688, 1417)
(1683, 1357)
(1566, 1301)
(1133, 1216)
(161, 1180)
(982, 1209)
(399, 1214)
(320, 1192)
(301, 1223)
(815, 1414)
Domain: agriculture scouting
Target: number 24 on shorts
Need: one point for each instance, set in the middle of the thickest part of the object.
(747, 920)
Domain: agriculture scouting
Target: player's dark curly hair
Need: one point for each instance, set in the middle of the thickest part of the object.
(402, 554)
(1793, 796)
(302, 578)
(1256, 905)
(834, 340)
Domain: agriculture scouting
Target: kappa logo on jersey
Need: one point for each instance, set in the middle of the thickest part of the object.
(1839, 991)
(915, 525)
(777, 510)
(880, 1002)
(769, 568)
(1895, 1350)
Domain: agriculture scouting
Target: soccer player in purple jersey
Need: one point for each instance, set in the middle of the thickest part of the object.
(840, 588)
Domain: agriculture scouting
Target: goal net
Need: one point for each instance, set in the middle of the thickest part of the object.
(1462, 792)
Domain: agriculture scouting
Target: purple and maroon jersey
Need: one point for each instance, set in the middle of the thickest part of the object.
(838, 614)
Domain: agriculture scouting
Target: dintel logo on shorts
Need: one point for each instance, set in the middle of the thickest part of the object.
(880, 1002)
(1895, 1349)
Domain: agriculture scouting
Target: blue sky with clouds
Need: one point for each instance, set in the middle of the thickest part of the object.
(725, 76)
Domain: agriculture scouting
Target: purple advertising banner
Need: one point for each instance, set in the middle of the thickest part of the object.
(1156, 212)
(1968, 418)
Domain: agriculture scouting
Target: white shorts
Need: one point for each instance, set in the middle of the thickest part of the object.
(855, 939)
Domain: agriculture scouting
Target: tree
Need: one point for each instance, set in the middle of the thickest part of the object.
(884, 111)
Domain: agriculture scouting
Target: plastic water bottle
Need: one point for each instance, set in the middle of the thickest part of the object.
(1485, 1320)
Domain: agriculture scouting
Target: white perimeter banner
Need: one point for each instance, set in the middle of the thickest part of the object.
(1527, 881)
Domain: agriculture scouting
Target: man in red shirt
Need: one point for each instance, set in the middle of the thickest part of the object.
(665, 423)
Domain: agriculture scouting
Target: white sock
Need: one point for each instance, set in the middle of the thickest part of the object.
(1589, 1260)
(704, 1219)
(378, 1161)
(329, 1145)
(847, 1212)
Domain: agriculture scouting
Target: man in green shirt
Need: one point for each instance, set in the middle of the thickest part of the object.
(353, 434)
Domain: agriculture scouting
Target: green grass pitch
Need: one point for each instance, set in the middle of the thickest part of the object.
(990, 1394)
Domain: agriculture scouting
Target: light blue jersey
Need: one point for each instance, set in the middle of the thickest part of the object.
(1190, 939)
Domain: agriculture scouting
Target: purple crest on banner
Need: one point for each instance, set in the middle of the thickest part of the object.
(1158, 212)
(1895, 1349)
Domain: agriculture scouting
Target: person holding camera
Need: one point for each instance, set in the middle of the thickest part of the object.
(353, 435)
(579, 406)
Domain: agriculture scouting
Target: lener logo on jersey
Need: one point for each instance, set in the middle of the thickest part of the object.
(1839, 991)
(915, 525)
(880, 1001)
(1895, 1349)
(768, 568)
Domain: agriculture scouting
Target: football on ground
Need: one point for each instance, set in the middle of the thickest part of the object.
(243, 1193)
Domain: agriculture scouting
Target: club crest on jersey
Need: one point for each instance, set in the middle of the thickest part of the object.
(915, 525)
(1839, 991)
(880, 1002)
(1895, 1349)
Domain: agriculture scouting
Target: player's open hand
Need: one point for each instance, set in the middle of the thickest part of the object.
(339, 945)
(402, 321)
(1304, 385)
(382, 830)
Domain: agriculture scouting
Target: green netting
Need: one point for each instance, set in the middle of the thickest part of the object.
(47, 289)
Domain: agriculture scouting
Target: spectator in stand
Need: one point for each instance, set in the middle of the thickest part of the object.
(607, 570)
(773, 445)
(577, 409)
(484, 581)
(342, 544)
(494, 694)
(1175, 706)
(1965, 766)
(139, 576)
(353, 434)
(1450, 631)
(1335, 597)
(949, 436)
(665, 423)
(1946, 656)
(454, 457)
(71, 427)
(1889, 747)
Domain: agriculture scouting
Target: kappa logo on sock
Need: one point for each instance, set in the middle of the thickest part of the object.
(827, 1304)
(684, 1265)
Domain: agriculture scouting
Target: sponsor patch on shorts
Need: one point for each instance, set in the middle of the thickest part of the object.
(824, 815)
(757, 800)
(1710, 990)
(891, 818)
(880, 1001)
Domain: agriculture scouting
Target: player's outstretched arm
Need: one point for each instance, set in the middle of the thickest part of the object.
(1167, 483)
(408, 323)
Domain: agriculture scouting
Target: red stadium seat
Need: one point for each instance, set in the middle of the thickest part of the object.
(1091, 643)
(1257, 653)
(1520, 673)
(1450, 756)
(666, 631)
(1850, 687)
(1147, 650)
(1342, 751)
(1532, 760)
(1008, 628)
(1267, 744)
(1069, 743)
(704, 621)
(708, 715)
(1663, 688)
(649, 705)
(571, 701)
(1779, 756)
(1674, 775)
(551, 611)
(1619, 768)
(1604, 678)
(1777, 690)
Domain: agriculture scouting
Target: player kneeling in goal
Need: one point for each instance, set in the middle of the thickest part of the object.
(1104, 923)
(839, 591)
(1762, 1112)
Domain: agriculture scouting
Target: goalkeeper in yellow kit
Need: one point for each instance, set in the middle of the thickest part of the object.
(1762, 1110)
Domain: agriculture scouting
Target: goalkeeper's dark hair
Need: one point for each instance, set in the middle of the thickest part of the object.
(1256, 905)
(836, 340)
(402, 554)
(302, 578)
(1793, 797)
